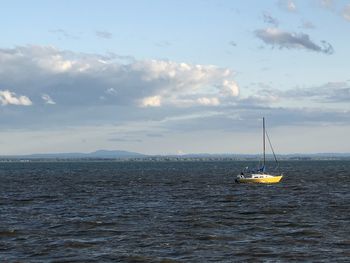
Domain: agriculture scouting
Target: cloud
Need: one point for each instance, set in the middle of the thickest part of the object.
(103, 34)
(47, 99)
(326, 3)
(154, 101)
(233, 43)
(283, 39)
(229, 88)
(181, 83)
(288, 5)
(124, 140)
(269, 19)
(337, 93)
(154, 135)
(238, 118)
(163, 43)
(141, 98)
(307, 25)
(61, 33)
(10, 98)
(336, 7)
(111, 91)
(346, 12)
(67, 76)
(262, 97)
(208, 101)
(331, 92)
(91, 88)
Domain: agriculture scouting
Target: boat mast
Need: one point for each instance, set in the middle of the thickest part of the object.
(264, 139)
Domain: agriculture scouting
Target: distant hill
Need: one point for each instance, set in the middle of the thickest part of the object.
(97, 154)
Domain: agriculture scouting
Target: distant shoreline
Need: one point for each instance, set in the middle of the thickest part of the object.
(120, 155)
(172, 159)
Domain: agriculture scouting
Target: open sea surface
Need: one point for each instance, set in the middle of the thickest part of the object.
(173, 212)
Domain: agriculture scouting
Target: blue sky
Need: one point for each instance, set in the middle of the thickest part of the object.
(164, 77)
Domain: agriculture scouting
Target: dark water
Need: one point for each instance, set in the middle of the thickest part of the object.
(172, 212)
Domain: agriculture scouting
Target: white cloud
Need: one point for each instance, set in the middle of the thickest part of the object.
(92, 89)
(154, 101)
(230, 88)
(336, 7)
(291, 6)
(150, 95)
(288, 5)
(208, 101)
(10, 98)
(47, 99)
(76, 79)
(111, 91)
(346, 12)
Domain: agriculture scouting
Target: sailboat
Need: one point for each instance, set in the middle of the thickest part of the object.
(260, 175)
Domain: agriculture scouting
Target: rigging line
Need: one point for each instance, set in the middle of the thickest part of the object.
(274, 155)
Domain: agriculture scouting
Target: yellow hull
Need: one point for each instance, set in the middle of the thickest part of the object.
(267, 180)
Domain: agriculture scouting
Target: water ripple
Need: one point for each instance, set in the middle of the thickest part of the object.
(172, 212)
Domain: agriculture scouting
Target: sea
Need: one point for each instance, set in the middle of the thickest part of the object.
(186, 211)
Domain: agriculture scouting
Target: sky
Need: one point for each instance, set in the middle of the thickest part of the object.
(174, 77)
